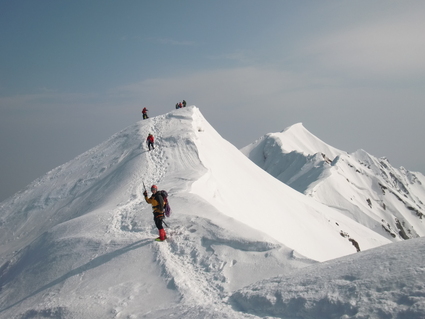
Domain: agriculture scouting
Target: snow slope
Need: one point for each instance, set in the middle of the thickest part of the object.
(386, 282)
(78, 242)
(369, 190)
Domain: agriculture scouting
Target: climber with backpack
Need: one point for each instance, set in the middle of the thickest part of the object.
(157, 202)
(167, 208)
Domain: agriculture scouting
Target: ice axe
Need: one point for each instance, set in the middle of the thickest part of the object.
(144, 187)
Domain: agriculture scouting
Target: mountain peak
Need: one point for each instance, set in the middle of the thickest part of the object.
(367, 189)
(297, 126)
(298, 138)
(72, 245)
(295, 138)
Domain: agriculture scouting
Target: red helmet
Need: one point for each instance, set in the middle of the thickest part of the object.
(153, 187)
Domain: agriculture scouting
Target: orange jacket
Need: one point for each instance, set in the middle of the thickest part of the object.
(157, 203)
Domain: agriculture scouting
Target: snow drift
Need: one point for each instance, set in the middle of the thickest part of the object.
(387, 282)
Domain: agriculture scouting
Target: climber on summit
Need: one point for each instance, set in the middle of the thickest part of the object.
(145, 113)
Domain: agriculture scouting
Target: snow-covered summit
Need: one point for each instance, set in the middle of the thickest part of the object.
(294, 138)
(369, 190)
(78, 242)
(298, 138)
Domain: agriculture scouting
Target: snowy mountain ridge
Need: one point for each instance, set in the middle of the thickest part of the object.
(367, 189)
(78, 242)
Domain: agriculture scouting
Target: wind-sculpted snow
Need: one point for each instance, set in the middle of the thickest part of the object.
(70, 190)
(78, 242)
(388, 282)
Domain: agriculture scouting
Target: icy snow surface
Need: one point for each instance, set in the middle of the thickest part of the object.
(78, 242)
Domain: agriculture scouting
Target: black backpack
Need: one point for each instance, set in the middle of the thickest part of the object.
(167, 208)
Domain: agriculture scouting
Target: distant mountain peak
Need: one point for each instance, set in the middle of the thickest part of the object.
(367, 189)
(295, 138)
(296, 126)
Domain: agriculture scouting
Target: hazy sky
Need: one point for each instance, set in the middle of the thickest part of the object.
(72, 73)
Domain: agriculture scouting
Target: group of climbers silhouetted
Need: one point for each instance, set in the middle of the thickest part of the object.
(181, 104)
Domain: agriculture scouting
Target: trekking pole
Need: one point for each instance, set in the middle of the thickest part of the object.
(165, 223)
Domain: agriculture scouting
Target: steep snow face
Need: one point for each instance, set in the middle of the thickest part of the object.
(368, 190)
(240, 189)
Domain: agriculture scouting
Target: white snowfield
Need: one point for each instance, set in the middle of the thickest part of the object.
(78, 242)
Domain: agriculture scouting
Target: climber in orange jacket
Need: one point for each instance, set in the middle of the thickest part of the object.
(157, 203)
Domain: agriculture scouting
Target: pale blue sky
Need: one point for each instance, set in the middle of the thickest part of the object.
(72, 73)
